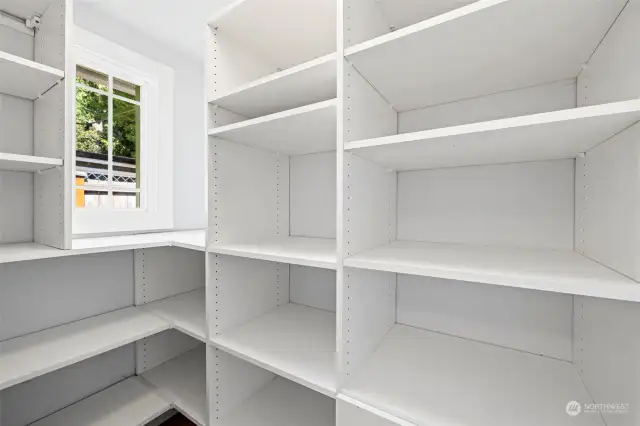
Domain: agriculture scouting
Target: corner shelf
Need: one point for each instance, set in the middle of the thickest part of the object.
(132, 402)
(546, 136)
(304, 130)
(182, 381)
(311, 82)
(560, 271)
(418, 376)
(293, 341)
(26, 357)
(521, 38)
(316, 252)
(24, 78)
(27, 163)
(184, 312)
(283, 402)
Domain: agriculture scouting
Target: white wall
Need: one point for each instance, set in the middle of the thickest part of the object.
(189, 124)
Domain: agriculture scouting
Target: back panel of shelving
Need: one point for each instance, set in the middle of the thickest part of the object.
(30, 401)
(314, 287)
(518, 205)
(41, 294)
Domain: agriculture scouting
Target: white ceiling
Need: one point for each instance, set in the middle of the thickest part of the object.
(178, 23)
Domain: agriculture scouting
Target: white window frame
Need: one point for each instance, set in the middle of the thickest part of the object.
(156, 145)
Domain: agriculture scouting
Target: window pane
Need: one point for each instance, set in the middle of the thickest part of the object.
(92, 199)
(126, 89)
(126, 200)
(92, 78)
(92, 143)
(126, 145)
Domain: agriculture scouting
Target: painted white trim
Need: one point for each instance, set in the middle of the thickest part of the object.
(156, 213)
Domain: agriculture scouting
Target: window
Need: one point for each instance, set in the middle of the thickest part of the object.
(123, 139)
(108, 141)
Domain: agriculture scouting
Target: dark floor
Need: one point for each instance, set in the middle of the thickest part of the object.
(178, 420)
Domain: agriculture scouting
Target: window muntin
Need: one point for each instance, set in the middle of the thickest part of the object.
(109, 127)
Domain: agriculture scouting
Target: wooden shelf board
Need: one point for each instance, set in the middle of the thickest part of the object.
(283, 403)
(24, 78)
(305, 130)
(308, 83)
(546, 136)
(182, 381)
(194, 240)
(27, 163)
(132, 402)
(547, 41)
(184, 312)
(559, 271)
(293, 341)
(26, 357)
(418, 376)
(316, 252)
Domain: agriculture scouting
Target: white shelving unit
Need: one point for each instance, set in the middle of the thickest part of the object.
(419, 213)
(35, 152)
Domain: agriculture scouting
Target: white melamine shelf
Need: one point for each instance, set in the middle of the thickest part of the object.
(283, 403)
(313, 81)
(182, 381)
(317, 252)
(261, 28)
(560, 271)
(434, 379)
(27, 163)
(24, 78)
(132, 402)
(503, 44)
(546, 136)
(26, 357)
(184, 312)
(25, 8)
(294, 341)
(194, 240)
(304, 130)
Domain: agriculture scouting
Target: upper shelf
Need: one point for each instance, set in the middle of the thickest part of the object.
(184, 312)
(500, 44)
(425, 378)
(546, 136)
(306, 31)
(304, 130)
(316, 252)
(559, 271)
(26, 357)
(293, 341)
(24, 78)
(182, 381)
(304, 84)
(194, 240)
(130, 402)
(24, 8)
(27, 163)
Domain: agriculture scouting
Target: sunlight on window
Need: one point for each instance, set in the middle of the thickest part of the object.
(108, 136)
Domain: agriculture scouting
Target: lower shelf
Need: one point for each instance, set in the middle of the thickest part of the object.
(185, 312)
(26, 357)
(283, 403)
(183, 382)
(293, 341)
(316, 252)
(429, 378)
(560, 271)
(132, 402)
